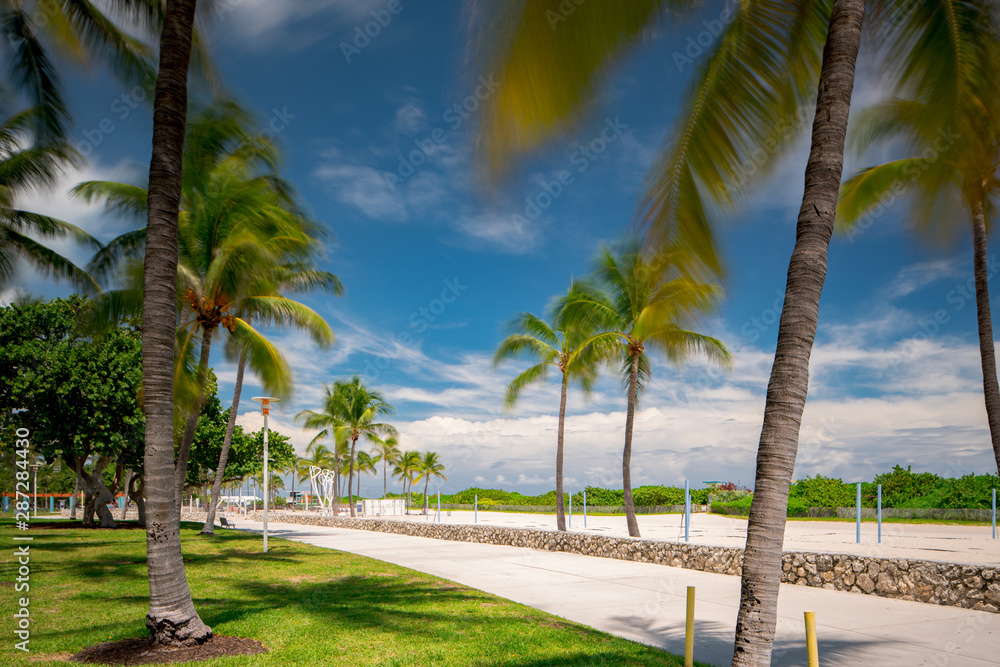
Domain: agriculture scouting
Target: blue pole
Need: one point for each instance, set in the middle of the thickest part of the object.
(585, 508)
(857, 512)
(52, 504)
(439, 507)
(994, 514)
(687, 511)
(72, 502)
(6, 503)
(570, 510)
(880, 514)
(475, 511)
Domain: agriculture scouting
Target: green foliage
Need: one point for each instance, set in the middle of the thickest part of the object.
(901, 486)
(820, 491)
(207, 446)
(76, 394)
(973, 491)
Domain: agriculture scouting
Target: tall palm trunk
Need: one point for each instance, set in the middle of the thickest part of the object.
(633, 383)
(786, 391)
(427, 481)
(560, 504)
(987, 353)
(172, 618)
(184, 451)
(227, 441)
(385, 479)
(350, 476)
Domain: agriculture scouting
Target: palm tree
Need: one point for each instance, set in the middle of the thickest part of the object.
(951, 125)
(350, 409)
(172, 619)
(741, 103)
(119, 32)
(24, 167)
(242, 241)
(565, 344)
(430, 466)
(387, 451)
(405, 469)
(652, 302)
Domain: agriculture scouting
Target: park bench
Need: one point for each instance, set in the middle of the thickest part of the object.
(225, 523)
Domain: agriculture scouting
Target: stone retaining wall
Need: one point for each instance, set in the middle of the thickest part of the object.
(133, 515)
(971, 586)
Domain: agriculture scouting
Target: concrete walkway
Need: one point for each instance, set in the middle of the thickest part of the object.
(645, 602)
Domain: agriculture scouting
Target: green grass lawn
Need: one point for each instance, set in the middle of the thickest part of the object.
(309, 606)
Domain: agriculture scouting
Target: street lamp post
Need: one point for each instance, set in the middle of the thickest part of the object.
(265, 407)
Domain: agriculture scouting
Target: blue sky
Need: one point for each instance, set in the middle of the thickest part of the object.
(433, 270)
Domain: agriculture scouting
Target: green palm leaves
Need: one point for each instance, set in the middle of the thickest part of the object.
(634, 301)
(428, 466)
(350, 411)
(564, 344)
(24, 167)
(945, 113)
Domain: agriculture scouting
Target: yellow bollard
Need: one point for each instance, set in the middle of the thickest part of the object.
(689, 630)
(812, 651)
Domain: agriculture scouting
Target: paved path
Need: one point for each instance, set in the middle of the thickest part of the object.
(645, 602)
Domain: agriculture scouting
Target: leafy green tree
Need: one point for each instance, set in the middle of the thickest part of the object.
(901, 486)
(78, 396)
(429, 466)
(350, 410)
(820, 491)
(651, 303)
(564, 344)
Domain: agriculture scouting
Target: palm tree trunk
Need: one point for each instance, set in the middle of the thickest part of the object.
(227, 441)
(787, 388)
(350, 477)
(385, 479)
(184, 451)
(560, 505)
(427, 480)
(633, 382)
(987, 353)
(172, 618)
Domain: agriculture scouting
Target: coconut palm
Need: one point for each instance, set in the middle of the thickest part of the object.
(950, 125)
(651, 303)
(366, 465)
(350, 409)
(387, 451)
(405, 469)
(429, 466)
(242, 241)
(563, 343)
(118, 32)
(25, 167)
(172, 619)
(742, 102)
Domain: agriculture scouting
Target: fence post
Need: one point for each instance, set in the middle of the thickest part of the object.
(570, 509)
(857, 512)
(880, 514)
(994, 514)
(585, 508)
(439, 507)
(687, 511)
(475, 511)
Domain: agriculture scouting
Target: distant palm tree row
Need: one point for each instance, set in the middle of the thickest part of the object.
(351, 412)
(635, 300)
